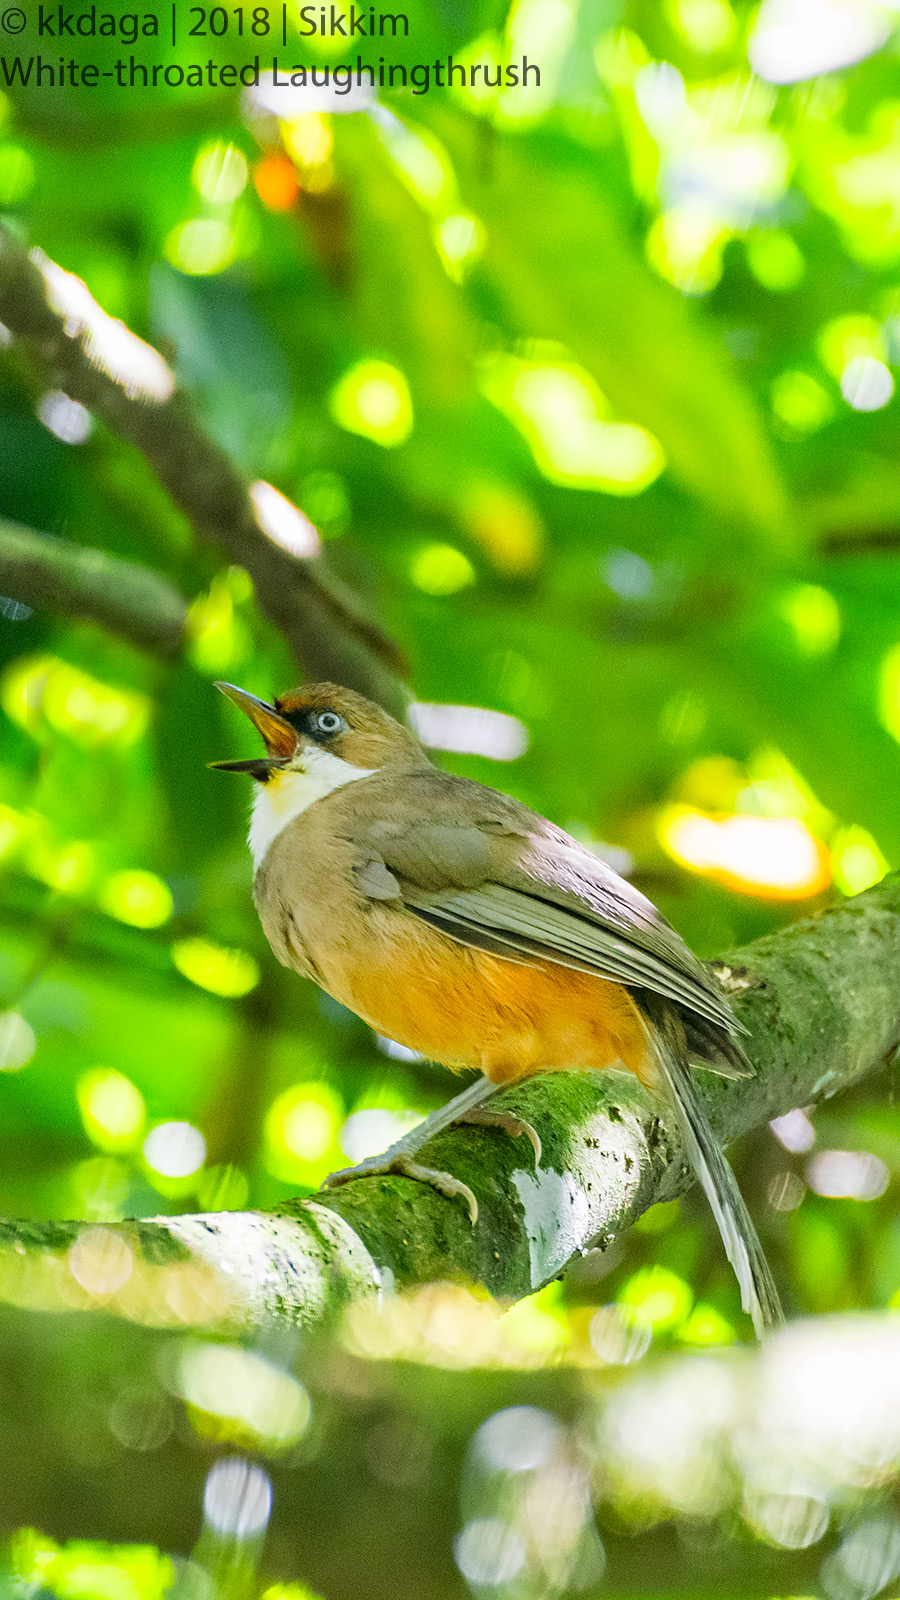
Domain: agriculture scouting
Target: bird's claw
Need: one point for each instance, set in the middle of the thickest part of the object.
(514, 1126)
(406, 1167)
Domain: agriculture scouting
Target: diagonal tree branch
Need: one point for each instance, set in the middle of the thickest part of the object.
(822, 1002)
(87, 354)
(48, 572)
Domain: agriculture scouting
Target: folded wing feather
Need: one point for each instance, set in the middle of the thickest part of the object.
(502, 879)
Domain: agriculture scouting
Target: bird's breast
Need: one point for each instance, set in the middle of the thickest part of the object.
(450, 1002)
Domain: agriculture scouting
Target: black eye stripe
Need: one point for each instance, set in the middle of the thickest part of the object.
(310, 722)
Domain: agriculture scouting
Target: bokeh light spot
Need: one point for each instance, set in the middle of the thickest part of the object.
(857, 862)
(889, 692)
(16, 174)
(220, 173)
(460, 241)
(793, 40)
(517, 1439)
(706, 1326)
(801, 403)
(775, 857)
(707, 25)
(441, 569)
(368, 1132)
(101, 1261)
(257, 1403)
(301, 1129)
(469, 730)
(17, 1041)
(112, 1108)
(237, 1498)
(794, 1131)
(175, 1149)
(815, 617)
(139, 898)
(565, 419)
(489, 1552)
(201, 247)
(309, 139)
(373, 400)
(617, 1337)
(656, 1298)
(229, 973)
(67, 419)
(276, 183)
(847, 1175)
(91, 714)
(282, 522)
(791, 1520)
(776, 261)
(867, 384)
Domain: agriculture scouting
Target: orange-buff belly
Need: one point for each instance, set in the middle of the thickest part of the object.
(465, 1008)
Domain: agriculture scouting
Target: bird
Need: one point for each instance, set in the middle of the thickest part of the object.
(463, 925)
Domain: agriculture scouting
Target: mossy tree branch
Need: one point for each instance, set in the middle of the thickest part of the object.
(325, 626)
(822, 1002)
(47, 572)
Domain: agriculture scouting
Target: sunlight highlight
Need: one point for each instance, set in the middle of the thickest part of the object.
(139, 898)
(469, 730)
(441, 569)
(136, 366)
(17, 1041)
(174, 1149)
(112, 1109)
(565, 419)
(774, 857)
(282, 522)
(36, 690)
(301, 1133)
(229, 973)
(240, 1397)
(793, 40)
(373, 400)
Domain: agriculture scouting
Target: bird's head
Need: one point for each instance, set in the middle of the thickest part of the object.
(307, 730)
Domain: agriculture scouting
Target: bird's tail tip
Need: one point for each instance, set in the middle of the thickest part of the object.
(759, 1295)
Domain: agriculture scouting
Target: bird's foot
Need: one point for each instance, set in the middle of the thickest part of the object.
(400, 1157)
(514, 1126)
(407, 1167)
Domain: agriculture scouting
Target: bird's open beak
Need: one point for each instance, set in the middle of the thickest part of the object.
(280, 738)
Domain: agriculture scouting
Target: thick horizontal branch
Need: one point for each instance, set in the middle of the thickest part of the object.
(822, 1002)
(50, 574)
(327, 630)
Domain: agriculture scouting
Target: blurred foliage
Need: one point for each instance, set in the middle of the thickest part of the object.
(590, 392)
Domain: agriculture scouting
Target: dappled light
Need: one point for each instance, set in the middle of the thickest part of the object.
(282, 522)
(470, 730)
(128, 360)
(530, 369)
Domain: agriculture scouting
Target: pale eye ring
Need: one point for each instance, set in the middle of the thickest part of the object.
(328, 722)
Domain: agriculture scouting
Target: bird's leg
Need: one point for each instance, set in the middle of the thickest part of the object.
(467, 1106)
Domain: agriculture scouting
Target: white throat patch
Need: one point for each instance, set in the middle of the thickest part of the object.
(288, 794)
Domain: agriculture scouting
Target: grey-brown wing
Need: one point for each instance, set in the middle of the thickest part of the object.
(526, 926)
(509, 882)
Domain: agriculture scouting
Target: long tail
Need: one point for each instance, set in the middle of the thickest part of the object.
(759, 1295)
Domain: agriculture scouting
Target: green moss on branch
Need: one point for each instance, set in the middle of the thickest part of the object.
(822, 1002)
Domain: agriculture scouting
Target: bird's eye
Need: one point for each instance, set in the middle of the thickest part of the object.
(328, 722)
